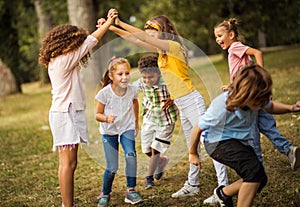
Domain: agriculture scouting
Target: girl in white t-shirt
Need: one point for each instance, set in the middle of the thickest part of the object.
(117, 111)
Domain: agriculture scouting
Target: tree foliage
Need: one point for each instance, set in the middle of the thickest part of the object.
(278, 20)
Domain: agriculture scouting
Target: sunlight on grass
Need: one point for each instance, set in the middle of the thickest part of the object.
(28, 167)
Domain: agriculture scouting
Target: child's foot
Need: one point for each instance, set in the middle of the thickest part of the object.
(186, 190)
(211, 200)
(161, 167)
(133, 197)
(294, 157)
(149, 182)
(103, 200)
(224, 200)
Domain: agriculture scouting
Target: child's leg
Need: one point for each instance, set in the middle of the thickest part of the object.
(244, 161)
(221, 173)
(67, 167)
(127, 141)
(267, 126)
(110, 146)
(154, 160)
(246, 194)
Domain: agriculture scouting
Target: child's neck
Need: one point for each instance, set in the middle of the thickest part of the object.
(118, 90)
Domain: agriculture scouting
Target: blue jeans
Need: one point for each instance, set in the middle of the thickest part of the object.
(267, 126)
(111, 149)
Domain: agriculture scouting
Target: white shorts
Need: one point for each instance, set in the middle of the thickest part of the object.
(68, 128)
(156, 137)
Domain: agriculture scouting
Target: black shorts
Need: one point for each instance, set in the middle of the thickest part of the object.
(239, 157)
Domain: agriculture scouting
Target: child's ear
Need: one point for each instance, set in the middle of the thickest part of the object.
(110, 76)
(231, 35)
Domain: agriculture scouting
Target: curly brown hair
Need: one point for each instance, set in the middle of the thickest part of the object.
(61, 40)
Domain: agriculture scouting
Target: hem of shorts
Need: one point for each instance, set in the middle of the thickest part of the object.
(54, 147)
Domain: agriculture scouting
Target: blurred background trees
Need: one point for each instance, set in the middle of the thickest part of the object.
(25, 22)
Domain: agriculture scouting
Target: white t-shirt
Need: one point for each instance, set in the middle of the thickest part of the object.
(120, 106)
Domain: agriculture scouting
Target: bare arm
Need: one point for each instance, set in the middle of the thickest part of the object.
(103, 25)
(257, 54)
(194, 142)
(143, 36)
(140, 34)
(131, 38)
(135, 106)
(281, 108)
(100, 114)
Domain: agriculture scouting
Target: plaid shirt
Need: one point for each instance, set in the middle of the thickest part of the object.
(153, 101)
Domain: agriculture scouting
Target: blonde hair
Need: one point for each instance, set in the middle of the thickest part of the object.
(232, 25)
(111, 67)
(252, 84)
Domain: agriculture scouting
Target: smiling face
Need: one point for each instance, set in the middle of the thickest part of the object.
(150, 79)
(120, 76)
(223, 37)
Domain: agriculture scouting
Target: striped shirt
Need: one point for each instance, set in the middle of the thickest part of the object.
(153, 100)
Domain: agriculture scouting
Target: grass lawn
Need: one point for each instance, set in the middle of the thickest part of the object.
(28, 167)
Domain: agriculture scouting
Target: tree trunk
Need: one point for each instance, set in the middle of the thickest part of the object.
(7, 81)
(44, 25)
(82, 14)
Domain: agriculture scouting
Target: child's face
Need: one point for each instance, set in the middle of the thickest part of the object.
(223, 37)
(153, 33)
(121, 76)
(150, 79)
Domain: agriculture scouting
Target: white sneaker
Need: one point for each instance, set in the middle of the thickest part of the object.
(294, 157)
(186, 190)
(212, 200)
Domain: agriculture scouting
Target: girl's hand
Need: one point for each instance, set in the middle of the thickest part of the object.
(194, 159)
(115, 13)
(110, 119)
(112, 15)
(100, 22)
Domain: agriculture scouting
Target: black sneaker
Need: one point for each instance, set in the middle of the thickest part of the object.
(224, 201)
(149, 182)
(133, 197)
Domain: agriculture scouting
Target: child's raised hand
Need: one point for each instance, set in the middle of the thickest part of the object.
(100, 22)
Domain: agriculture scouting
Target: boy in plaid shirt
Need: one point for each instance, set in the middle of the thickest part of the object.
(159, 117)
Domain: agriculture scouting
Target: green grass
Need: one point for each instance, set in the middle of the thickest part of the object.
(28, 167)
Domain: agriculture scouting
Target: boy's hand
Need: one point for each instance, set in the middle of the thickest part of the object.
(167, 103)
(194, 159)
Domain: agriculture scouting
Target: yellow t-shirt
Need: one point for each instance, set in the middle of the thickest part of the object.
(175, 71)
